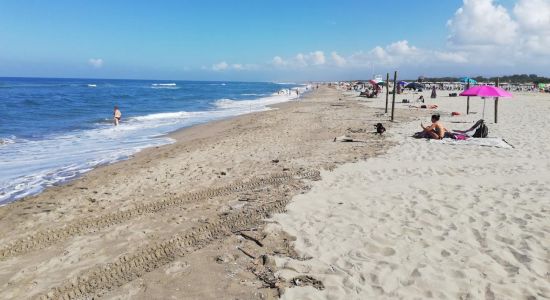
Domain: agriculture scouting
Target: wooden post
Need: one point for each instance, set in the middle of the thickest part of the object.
(387, 91)
(496, 103)
(393, 96)
(468, 99)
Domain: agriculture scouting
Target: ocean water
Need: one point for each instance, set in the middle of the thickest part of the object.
(54, 130)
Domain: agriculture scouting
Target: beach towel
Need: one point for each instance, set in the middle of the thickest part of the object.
(485, 142)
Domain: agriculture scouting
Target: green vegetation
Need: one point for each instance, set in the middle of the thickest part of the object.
(518, 78)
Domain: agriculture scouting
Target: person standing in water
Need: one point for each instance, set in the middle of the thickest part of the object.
(117, 115)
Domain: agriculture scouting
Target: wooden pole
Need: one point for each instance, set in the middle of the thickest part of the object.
(468, 99)
(387, 91)
(496, 103)
(393, 96)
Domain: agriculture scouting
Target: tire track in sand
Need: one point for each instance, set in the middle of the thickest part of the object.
(45, 238)
(128, 267)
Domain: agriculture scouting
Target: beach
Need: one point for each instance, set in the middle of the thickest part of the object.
(429, 219)
(272, 204)
(176, 213)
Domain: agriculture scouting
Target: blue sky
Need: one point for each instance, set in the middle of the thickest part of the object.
(265, 40)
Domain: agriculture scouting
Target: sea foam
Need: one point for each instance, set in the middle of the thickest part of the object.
(30, 166)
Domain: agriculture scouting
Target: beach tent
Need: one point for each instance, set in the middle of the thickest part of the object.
(487, 91)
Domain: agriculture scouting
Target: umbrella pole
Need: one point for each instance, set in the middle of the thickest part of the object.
(393, 96)
(468, 100)
(387, 91)
(483, 115)
(496, 103)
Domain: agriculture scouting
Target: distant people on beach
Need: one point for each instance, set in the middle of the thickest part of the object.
(434, 94)
(117, 115)
(435, 131)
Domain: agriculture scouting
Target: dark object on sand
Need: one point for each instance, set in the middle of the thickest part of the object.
(453, 94)
(405, 101)
(380, 128)
(482, 131)
(414, 86)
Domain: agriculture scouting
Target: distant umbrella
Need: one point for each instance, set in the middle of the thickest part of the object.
(467, 80)
(403, 83)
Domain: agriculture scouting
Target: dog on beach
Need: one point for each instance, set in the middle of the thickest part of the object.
(380, 128)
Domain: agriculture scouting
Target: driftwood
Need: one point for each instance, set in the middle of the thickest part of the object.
(251, 238)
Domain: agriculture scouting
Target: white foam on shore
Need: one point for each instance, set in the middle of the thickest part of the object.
(28, 166)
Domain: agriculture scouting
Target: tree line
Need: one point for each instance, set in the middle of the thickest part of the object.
(517, 78)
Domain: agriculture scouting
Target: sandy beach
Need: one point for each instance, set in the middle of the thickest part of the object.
(183, 221)
(268, 205)
(429, 219)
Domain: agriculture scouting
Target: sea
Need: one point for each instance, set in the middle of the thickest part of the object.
(55, 130)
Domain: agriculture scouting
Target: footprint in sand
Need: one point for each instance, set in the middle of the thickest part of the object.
(388, 251)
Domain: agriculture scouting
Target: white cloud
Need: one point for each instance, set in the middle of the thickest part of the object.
(337, 59)
(482, 22)
(95, 62)
(533, 15)
(488, 34)
(224, 66)
(533, 18)
(315, 58)
(278, 61)
(450, 57)
(221, 66)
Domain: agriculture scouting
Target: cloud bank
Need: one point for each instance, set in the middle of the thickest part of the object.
(482, 35)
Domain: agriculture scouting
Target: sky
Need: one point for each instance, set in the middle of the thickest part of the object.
(273, 40)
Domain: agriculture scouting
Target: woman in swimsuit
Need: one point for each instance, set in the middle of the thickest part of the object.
(436, 130)
(117, 115)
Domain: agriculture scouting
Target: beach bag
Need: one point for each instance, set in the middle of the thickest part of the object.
(482, 131)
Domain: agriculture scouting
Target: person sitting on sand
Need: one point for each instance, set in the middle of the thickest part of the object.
(117, 115)
(421, 99)
(435, 131)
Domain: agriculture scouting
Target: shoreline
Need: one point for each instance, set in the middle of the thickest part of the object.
(84, 167)
(233, 167)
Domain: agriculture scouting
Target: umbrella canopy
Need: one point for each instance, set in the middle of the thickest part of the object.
(486, 91)
(414, 86)
(402, 83)
(467, 80)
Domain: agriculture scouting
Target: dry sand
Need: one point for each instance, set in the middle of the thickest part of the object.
(183, 221)
(431, 220)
